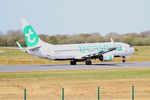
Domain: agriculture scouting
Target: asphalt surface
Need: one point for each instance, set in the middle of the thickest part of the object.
(56, 67)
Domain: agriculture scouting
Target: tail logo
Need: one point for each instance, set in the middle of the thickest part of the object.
(30, 36)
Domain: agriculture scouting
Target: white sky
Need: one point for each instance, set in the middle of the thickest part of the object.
(76, 16)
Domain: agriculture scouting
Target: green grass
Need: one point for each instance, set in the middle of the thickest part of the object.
(82, 74)
(141, 52)
(11, 52)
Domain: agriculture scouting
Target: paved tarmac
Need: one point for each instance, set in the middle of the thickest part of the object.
(56, 67)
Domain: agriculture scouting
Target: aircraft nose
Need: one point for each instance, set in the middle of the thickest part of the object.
(132, 50)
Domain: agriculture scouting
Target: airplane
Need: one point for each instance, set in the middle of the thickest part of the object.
(106, 51)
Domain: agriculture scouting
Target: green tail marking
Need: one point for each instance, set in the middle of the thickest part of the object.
(31, 37)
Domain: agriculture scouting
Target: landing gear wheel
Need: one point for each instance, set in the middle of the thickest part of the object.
(123, 60)
(88, 62)
(73, 62)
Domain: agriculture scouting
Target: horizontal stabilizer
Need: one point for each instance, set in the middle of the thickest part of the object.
(34, 48)
(20, 47)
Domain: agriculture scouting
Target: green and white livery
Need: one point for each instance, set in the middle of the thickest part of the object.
(74, 52)
(30, 36)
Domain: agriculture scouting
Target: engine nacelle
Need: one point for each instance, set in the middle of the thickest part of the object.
(106, 57)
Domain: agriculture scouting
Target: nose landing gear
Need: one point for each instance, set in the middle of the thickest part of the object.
(124, 60)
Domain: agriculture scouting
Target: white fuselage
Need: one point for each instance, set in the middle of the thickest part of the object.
(73, 51)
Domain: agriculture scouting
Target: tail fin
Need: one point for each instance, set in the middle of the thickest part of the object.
(31, 37)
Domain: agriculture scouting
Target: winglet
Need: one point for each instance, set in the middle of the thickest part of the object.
(112, 40)
(113, 43)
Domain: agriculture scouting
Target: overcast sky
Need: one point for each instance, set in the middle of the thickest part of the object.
(76, 16)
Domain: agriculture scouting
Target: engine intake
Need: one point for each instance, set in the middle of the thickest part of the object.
(106, 57)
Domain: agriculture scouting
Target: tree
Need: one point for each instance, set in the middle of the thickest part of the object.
(52, 40)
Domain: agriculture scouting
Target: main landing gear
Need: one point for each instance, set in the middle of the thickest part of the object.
(88, 62)
(73, 62)
(124, 60)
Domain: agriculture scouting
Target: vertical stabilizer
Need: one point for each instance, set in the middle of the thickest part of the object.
(31, 37)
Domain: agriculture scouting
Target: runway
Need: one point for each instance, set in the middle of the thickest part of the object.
(57, 67)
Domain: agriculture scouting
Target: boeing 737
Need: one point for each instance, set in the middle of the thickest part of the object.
(106, 51)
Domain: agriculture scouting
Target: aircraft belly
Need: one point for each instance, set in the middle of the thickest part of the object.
(65, 55)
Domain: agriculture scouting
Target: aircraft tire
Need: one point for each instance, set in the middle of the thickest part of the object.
(73, 62)
(88, 62)
(123, 60)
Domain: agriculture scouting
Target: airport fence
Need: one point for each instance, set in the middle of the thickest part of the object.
(98, 94)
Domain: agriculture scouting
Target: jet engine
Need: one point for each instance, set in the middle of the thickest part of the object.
(106, 57)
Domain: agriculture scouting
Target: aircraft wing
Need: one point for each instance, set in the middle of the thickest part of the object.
(94, 55)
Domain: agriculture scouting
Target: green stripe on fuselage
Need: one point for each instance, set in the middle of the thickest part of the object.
(98, 48)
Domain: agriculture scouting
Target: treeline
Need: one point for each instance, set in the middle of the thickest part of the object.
(135, 39)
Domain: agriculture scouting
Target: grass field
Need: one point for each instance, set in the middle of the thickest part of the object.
(79, 84)
(16, 57)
